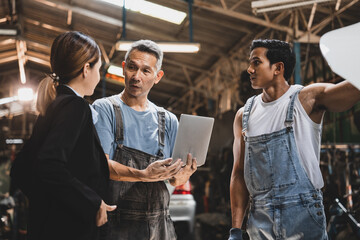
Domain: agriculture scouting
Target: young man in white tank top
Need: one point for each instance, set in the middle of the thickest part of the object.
(277, 138)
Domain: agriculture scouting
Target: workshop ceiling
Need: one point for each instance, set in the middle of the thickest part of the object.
(211, 79)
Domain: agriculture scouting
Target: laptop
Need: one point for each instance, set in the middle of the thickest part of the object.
(193, 137)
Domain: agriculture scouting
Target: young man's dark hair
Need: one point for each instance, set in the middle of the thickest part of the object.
(278, 51)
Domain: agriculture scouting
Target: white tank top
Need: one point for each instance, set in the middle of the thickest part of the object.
(270, 117)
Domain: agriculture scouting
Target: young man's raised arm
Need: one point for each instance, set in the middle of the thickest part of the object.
(319, 97)
(239, 195)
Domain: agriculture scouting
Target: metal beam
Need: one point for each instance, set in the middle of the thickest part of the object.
(340, 21)
(303, 19)
(160, 94)
(38, 60)
(243, 43)
(8, 59)
(41, 59)
(312, 15)
(13, 7)
(21, 49)
(108, 20)
(176, 63)
(223, 4)
(7, 41)
(44, 25)
(181, 85)
(44, 57)
(30, 55)
(8, 54)
(55, 29)
(43, 47)
(281, 5)
(317, 28)
(69, 18)
(241, 16)
(187, 76)
(104, 53)
(337, 6)
(104, 18)
(174, 83)
(81, 11)
(237, 4)
(329, 11)
(228, 24)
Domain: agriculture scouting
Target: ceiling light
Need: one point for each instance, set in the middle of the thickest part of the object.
(175, 47)
(115, 75)
(115, 70)
(14, 141)
(151, 9)
(25, 94)
(8, 32)
(276, 5)
(8, 100)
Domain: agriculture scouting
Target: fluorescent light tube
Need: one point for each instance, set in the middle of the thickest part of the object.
(14, 141)
(8, 100)
(8, 32)
(175, 47)
(278, 5)
(151, 9)
(115, 70)
(268, 3)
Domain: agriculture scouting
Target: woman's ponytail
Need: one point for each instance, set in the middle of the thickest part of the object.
(46, 93)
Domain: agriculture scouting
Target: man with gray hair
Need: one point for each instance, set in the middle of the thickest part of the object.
(136, 135)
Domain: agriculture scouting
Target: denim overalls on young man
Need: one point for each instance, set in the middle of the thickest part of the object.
(283, 202)
(142, 208)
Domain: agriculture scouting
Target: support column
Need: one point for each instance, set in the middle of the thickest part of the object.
(297, 74)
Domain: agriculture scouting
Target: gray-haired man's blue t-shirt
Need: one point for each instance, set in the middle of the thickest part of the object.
(140, 128)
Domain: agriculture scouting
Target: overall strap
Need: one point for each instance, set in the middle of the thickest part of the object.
(246, 113)
(161, 130)
(290, 110)
(118, 120)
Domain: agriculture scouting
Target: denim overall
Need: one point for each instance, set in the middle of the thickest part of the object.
(283, 202)
(142, 208)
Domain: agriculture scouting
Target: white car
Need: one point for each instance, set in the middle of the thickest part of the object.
(182, 210)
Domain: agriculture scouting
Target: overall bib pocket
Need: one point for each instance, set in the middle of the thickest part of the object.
(272, 168)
